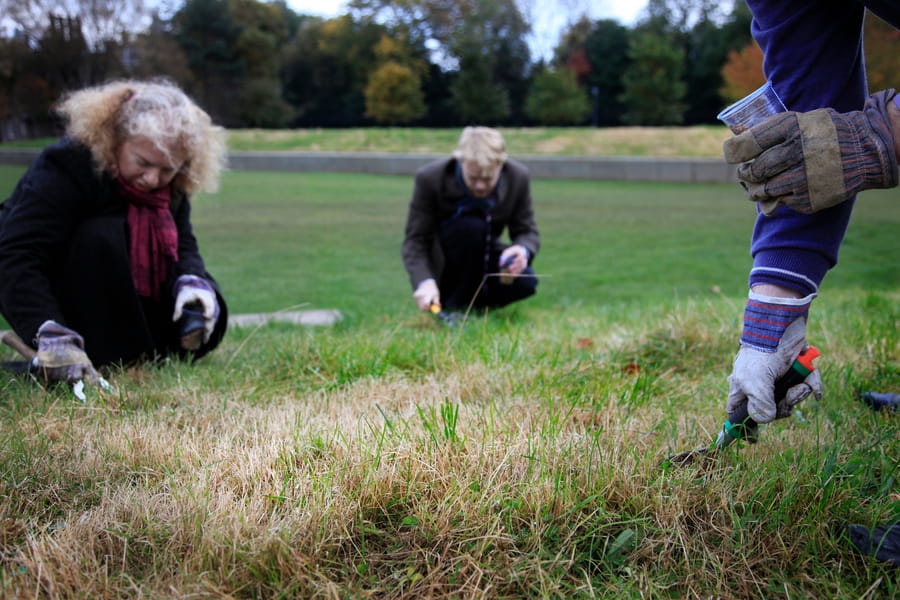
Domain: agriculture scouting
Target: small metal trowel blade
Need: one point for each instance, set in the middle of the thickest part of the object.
(682, 459)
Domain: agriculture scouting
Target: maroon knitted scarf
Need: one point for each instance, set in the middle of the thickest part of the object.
(154, 238)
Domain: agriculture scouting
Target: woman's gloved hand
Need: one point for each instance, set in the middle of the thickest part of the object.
(190, 289)
(61, 356)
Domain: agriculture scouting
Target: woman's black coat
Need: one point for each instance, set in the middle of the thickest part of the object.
(41, 277)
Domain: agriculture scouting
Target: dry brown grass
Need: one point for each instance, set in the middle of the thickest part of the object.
(479, 479)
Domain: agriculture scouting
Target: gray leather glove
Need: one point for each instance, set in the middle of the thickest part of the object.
(61, 357)
(814, 160)
(774, 335)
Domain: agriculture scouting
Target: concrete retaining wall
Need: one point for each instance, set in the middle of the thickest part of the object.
(696, 170)
(17, 156)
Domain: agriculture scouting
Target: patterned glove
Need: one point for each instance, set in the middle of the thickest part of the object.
(61, 357)
(774, 335)
(192, 290)
(814, 160)
(426, 294)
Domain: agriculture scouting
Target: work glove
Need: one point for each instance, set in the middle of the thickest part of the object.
(195, 294)
(811, 161)
(774, 335)
(514, 259)
(426, 294)
(61, 357)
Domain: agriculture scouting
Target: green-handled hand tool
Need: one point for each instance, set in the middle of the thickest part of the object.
(740, 425)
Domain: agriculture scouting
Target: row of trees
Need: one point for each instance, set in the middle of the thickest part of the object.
(252, 63)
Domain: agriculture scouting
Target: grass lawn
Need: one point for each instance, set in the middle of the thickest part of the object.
(679, 142)
(514, 457)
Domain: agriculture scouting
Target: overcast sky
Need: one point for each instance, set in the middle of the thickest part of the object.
(550, 17)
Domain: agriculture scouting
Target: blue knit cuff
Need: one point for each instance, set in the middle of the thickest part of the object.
(766, 319)
(794, 268)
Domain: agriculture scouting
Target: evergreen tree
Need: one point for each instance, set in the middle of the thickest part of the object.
(654, 88)
(263, 30)
(556, 98)
(606, 49)
(206, 32)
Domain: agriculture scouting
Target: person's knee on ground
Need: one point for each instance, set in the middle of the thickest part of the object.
(521, 286)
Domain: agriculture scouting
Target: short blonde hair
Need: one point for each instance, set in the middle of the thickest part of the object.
(482, 145)
(104, 117)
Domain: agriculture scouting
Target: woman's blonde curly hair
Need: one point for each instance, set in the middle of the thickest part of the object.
(104, 117)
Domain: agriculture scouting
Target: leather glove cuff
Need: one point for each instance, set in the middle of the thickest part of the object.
(814, 160)
(54, 338)
(61, 355)
(850, 152)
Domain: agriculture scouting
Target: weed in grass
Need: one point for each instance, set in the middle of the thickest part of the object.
(441, 423)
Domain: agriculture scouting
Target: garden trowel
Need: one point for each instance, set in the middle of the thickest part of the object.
(740, 425)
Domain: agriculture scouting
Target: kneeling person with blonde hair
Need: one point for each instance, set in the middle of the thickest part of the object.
(98, 260)
(460, 208)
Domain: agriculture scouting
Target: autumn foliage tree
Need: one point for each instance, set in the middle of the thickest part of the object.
(393, 91)
(394, 95)
(742, 73)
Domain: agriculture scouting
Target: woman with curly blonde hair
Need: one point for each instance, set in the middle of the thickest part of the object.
(98, 260)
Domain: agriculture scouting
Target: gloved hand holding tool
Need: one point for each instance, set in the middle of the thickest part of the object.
(814, 160)
(60, 357)
(740, 425)
(788, 392)
(772, 373)
(774, 334)
(427, 295)
(195, 303)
